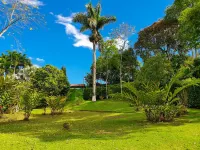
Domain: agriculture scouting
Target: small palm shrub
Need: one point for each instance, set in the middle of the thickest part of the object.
(158, 113)
(160, 99)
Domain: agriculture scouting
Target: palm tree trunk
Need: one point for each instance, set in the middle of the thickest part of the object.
(94, 72)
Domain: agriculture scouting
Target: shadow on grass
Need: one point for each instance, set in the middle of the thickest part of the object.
(89, 125)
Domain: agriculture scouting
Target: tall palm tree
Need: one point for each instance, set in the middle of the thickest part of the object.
(15, 60)
(93, 21)
(24, 61)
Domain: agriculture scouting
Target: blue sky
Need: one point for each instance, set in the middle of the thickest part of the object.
(59, 43)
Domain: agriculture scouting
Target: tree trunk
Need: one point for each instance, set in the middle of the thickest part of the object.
(17, 108)
(14, 71)
(107, 82)
(11, 23)
(192, 53)
(45, 110)
(52, 111)
(26, 116)
(196, 53)
(1, 112)
(94, 73)
(121, 73)
(3, 31)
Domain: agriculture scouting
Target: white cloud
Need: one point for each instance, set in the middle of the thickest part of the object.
(81, 40)
(35, 3)
(122, 44)
(40, 60)
(31, 58)
(37, 66)
(51, 13)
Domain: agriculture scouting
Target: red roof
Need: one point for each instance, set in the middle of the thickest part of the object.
(77, 85)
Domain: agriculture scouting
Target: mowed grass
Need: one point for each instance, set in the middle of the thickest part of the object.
(105, 106)
(99, 130)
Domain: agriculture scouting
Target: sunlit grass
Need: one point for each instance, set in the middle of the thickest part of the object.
(99, 131)
(106, 106)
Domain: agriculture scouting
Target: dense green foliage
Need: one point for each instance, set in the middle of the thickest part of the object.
(29, 100)
(193, 97)
(51, 81)
(101, 91)
(193, 92)
(25, 87)
(157, 89)
(8, 94)
(12, 62)
(56, 103)
(108, 69)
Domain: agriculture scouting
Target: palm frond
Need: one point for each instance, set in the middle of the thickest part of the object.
(80, 18)
(84, 28)
(186, 83)
(90, 10)
(98, 9)
(174, 79)
(105, 20)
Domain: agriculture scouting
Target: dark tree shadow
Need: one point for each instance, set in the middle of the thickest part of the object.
(89, 125)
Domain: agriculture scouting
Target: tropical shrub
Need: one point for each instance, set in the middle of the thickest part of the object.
(56, 104)
(161, 102)
(29, 100)
(8, 94)
(43, 104)
(167, 100)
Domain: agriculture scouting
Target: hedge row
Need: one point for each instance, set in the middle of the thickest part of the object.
(194, 97)
(100, 92)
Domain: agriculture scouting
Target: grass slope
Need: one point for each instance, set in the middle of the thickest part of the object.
(99, 131)
(105, 106)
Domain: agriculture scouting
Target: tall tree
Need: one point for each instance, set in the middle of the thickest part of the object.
(160, 38)
(186, 13)
(108, 50)
(13, 62)
(122, 35)
(130, 65)
(189, 26)
(93, 21)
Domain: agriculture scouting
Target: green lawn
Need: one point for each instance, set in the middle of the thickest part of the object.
(99, 130)
(105, 106)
